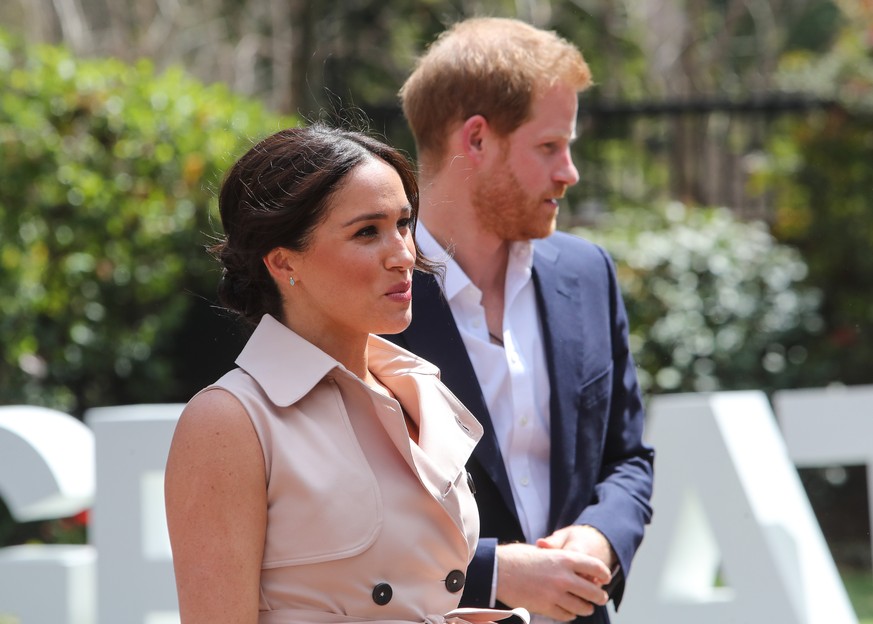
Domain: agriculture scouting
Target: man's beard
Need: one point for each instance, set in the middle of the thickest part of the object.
(504, 208)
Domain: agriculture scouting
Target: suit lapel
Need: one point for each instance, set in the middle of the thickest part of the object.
(559, 302)
(434, 336)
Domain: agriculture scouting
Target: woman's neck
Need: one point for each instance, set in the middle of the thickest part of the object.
(350, 350)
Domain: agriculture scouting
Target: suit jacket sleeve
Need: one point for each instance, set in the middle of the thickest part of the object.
(480, 575)
(620, 507)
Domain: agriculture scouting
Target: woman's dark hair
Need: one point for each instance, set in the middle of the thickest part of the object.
(277, 194)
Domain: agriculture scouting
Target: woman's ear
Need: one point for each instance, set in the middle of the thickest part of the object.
(475, 135)
(279, 263)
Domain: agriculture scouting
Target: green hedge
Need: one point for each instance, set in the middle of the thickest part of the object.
(714, 303)
(820, 176)
(108, 175)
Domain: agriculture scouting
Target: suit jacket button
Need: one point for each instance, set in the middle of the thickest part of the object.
(455, 581)
(382, 594)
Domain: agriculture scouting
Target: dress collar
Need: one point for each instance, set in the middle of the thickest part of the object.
(288, 366)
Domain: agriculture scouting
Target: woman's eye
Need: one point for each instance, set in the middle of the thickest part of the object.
(366, 232)
(404, 223)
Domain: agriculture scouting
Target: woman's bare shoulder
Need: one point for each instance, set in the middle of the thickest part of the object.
(215, 427)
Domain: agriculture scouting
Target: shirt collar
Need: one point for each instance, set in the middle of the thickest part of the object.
(455, 279)
(520, 260)
(288, 366)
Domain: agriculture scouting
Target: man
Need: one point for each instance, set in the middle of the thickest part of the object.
(528, 326)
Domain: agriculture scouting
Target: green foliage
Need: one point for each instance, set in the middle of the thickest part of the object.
(859, 586)
(819, 175)
(714, 303)
(107, 180)
(60, 531)
(844, 73)
(817, 171)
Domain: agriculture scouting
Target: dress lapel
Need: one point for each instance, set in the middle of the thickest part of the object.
(434, 336)
(447, 431)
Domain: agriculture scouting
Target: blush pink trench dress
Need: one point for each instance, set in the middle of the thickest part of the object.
(363, 525)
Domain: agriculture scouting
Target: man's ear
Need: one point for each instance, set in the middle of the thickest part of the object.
(475, 136)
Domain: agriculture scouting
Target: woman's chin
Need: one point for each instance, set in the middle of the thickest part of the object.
(395, 326)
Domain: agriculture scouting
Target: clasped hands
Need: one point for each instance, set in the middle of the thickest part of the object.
(561, 577)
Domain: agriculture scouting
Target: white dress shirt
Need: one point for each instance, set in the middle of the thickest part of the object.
(513, 377)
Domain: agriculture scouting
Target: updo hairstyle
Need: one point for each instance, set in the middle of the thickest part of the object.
(276, 195)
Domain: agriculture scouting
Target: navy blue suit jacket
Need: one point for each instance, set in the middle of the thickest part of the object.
(601, 472)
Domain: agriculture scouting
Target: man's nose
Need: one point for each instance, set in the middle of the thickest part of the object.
(567, 173)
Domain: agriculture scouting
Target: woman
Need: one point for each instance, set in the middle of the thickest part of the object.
(323, 480)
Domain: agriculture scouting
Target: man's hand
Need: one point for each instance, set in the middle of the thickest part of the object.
(583, 539)
(554, 581)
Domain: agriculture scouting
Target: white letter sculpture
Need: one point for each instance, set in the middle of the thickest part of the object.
(733, 538)
(46, 472)
(829, 426)
(135, 577)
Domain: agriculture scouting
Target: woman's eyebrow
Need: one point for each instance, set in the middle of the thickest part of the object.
(375, 215)
(365, 217)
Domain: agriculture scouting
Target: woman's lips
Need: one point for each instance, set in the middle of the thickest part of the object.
(400, 292)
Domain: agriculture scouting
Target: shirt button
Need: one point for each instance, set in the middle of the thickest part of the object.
(382, 594)
(477, 323)
(455, 581)
(523, 421)
(525, 481)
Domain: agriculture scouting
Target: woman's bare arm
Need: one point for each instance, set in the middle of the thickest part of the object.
(216, 498)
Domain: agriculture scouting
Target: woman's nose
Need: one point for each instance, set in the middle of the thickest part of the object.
(402, 254)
